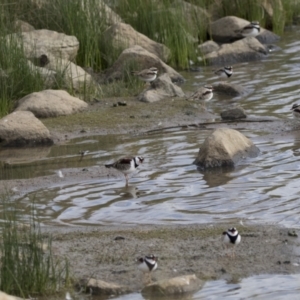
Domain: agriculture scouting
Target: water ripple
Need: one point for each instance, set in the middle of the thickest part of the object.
(169, 189)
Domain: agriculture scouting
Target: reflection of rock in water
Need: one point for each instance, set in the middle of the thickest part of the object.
(217, 176)
(17, 155)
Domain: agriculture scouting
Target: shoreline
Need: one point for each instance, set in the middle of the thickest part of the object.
(181, 250)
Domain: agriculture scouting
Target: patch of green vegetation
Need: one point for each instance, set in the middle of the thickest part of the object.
(28, 266)
(251, 10)
(273, 15)
(17, 78)
(178, 25)
(84, 19)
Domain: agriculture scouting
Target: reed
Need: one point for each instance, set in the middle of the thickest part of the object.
(283, 12)
(251, 10)
(167, 22)
(27, 264)
(85, 19)
(180, 25)
(17, 78)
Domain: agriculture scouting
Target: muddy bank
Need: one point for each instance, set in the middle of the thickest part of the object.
(182, 249)
(136, 117)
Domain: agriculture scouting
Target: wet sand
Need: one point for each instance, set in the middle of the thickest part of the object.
(181, 249)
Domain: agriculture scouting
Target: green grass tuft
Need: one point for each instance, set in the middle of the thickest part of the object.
(28, 266)
(169, 24)
(17, 78)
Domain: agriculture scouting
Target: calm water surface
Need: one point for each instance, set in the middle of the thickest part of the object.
(169, 189)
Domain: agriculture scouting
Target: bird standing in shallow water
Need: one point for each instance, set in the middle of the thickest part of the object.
(126, 165)
(147, 264)
(231, 239)
(225, 72)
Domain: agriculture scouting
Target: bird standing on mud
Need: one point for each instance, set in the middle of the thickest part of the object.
(147, 264)
(231, 239)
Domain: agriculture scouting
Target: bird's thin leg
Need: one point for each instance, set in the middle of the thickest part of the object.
(233, 252)
(126, 178)
(150, 277)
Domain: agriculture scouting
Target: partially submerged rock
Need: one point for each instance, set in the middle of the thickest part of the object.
(51, 103)
(247, 49)
(138, 56)
(123, 36)
(225, 147)
(100, 287)
(234, 113)
(267, 37)
(229, 89)
(160, 89)
(174, 286)
(22, 128)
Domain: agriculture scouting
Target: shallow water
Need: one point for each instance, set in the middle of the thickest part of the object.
(169, 189)
(256, 287)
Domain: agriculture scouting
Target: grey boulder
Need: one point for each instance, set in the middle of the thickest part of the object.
(227, 30)
(225, 147)
(51, 103)
(229, 89)
(173, 287)
(160, 89)
(22, 128)
(247, 49)
(234, 113)
(100, 287)
(142, 59)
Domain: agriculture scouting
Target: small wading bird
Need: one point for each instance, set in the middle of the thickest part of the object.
(203, 94)
(252, 29)
(296, 111)
(231, 239)
(147, 75)
(225, 72)
(126, 165)
(147, 265)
